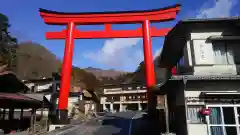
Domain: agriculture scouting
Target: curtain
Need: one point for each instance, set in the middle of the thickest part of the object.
(215, 118)
(233, 53)
(230, 54)
(193, 115)
(220, 54)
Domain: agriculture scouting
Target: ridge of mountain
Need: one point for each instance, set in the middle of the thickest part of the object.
(110, 73)
(34, 61)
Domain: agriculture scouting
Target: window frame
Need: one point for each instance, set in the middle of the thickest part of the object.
(216, 43)
(226, 50)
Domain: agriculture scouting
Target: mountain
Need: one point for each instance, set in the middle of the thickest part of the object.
(35, 61)
(100, 73)
(29, 60)
(161, 74)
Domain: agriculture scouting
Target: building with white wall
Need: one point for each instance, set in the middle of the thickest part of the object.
(123, 97)
(203, 99)
(118, 98)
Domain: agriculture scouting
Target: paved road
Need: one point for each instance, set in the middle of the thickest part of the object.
(122, 123)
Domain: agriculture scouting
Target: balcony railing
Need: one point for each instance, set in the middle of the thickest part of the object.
(124, 91)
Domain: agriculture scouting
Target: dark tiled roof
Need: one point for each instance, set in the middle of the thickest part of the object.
(206, 77)
(10, 83)
(107, 12)
(203, 78)
(236, 18)
(15, 96)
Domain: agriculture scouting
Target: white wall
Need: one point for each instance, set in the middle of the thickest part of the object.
(197, 129)
(39, 87)
(198, 54)
(120, 90)
(192, 93)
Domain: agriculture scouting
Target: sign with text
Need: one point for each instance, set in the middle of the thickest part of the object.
(203, 52)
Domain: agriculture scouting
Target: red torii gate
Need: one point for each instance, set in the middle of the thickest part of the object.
(106, 18)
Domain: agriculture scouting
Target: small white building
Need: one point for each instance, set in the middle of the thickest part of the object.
(123, 97)
(118, 98)
(204, 98)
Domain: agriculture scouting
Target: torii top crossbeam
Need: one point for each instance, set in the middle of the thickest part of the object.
(107, 18)
(156, 15)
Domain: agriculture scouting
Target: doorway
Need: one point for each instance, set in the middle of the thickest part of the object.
(224, 120)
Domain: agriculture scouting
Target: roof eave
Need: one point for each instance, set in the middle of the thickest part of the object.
(173, 51)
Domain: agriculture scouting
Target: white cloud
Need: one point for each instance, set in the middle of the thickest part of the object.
(157, 53)
(221, 8)
(118, 52)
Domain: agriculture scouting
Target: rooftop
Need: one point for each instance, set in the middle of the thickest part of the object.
(175, 40)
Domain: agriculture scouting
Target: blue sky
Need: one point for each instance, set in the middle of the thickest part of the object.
(120, 54)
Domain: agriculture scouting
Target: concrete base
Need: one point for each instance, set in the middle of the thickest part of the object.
(53, 127)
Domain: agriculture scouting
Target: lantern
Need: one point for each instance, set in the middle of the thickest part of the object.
(174, 71)
(205, 111)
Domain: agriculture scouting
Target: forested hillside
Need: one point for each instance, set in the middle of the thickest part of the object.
(29, 60)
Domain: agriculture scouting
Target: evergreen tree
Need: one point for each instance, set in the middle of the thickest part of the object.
(8, 45)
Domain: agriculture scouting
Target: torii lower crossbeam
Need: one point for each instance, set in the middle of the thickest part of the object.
(107, 33)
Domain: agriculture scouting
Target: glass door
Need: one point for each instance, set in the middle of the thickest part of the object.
(224, 120)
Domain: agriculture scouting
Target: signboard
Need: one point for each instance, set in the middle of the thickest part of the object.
(212, 100)
(203, 52)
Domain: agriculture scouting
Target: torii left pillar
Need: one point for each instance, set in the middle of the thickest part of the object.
(106, 18)
(66, 71)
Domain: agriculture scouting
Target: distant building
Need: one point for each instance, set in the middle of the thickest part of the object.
(14, 102)
(123, 97)
(80, 100)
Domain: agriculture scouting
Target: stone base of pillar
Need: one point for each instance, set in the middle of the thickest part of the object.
(111, 108)
(104, 107)
(61, 118)
(121, 108)
(139, 106)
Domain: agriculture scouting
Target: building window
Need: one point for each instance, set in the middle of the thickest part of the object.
(193, 114)
(226, 53)
(181, 62)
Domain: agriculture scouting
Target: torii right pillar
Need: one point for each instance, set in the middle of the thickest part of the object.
(149, 66)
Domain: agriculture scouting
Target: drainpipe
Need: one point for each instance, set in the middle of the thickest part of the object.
(185, 103)
(166, 113)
